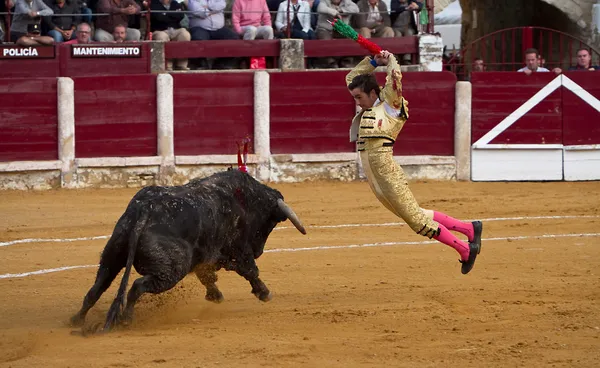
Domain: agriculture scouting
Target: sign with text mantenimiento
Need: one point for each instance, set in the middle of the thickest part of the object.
(22, 52)
(103, 51)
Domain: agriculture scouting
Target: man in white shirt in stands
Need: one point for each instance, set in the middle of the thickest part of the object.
(532, 62)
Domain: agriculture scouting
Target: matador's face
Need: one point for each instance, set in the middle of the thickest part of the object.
(364, 100)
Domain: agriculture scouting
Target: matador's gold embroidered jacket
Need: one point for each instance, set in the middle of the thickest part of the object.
(387, 117)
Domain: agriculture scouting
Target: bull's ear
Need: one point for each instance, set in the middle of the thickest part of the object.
(290, 214)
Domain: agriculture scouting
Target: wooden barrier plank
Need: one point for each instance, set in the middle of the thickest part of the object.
(222, 48)
(345, 47)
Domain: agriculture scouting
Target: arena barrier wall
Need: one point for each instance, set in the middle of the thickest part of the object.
(538, 127)
(134, 130)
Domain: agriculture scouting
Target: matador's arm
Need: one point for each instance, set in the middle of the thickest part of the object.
(364, 67)
(392, 91)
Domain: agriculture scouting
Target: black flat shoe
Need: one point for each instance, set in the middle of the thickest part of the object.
(468, 265)
(477, 230)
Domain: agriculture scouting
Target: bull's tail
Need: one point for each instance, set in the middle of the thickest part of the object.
(115, 311)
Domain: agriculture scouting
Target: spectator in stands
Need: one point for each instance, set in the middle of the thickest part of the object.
(207, 22)
(403, 20)
(83, 34)
(120, 11)
(328, 11)
(3, 9)
(85, 10)
(33, 37)
(166, 27)
(27, 12)
(298, 12)
(120, 33)
(532, 62)
(373, 19)
(251, 19)
(584, 62)
(62, 27)
(478, 65)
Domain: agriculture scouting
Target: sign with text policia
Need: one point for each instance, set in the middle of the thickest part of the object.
(24, 52)
(104, 51)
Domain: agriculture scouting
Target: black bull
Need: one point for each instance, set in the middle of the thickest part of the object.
(221, 221)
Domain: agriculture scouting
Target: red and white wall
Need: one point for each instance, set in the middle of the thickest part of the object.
(538, 127)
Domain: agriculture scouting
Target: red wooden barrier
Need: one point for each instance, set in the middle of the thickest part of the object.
(212, 112)
(345, 47)
(115, 116)
(496, 95)
(28, 119)
(580, 120)
(311, 113)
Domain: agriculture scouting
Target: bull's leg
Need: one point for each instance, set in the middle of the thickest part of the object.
(104, 278)
(208, 277)
(154, 284)
(249, 271)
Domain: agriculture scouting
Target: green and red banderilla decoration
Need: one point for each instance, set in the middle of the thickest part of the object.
(345, 30)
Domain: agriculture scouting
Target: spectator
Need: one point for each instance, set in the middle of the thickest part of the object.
(403, 17)
(27, 12)
(166, 27)
(83, 35)
(120, 33)
(207, 22)
(373, 19)
(85, 9)
(328, 11)
(584, 62)
(3, 9)
(33, 37)
(532, 62)
(251, 19)
(119, 11)
(403, 20)
(479, 65)
(314, 16)
(298, 12)
(62, 27)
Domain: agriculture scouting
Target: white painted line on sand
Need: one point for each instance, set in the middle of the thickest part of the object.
(491, 219)
(281, 250)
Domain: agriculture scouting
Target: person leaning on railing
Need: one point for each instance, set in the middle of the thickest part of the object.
(62, 27)
(584, 62)
(33, 37)
(27, 12)
(120, 11)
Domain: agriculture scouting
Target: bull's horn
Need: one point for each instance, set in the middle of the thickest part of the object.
(291, 215)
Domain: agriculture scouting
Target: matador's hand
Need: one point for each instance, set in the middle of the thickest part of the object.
(382, 58)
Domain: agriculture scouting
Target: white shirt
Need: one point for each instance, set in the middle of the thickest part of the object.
(539, 69)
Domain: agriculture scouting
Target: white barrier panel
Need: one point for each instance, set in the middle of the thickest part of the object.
(517, 164)
(582, 162)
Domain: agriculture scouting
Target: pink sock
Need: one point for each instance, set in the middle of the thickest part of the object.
(454, 224)
(448, 238)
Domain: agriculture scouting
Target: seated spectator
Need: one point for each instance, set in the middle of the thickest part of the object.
(251, 19)
(373, 19)
(120, 33)
(3, 9)
(314, 16)
(328, 11)
(83, 35)
(207, 22)
(33, 37)
(166, 27)
(298, 12)
(62, 27)
(403, 20)
(27, 12)
(119, 11)
(584, 62)
(532, 62)
(85, 9)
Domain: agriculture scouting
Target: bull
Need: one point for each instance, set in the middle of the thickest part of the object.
(221, 221)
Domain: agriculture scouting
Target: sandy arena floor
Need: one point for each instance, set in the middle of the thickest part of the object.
(532, 300)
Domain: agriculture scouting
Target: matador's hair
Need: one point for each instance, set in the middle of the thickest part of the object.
(366, 83)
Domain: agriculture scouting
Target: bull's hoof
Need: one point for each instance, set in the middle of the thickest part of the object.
(214, 297)
(265, 296)
(77, 320)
